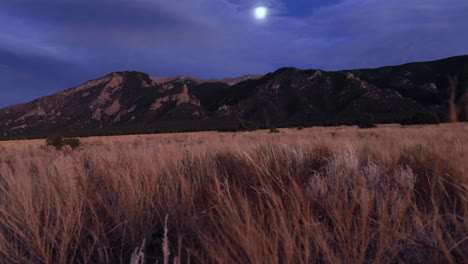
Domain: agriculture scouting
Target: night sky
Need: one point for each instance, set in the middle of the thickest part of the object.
(49, 45)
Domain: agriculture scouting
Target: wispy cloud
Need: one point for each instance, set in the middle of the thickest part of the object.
(218, 38)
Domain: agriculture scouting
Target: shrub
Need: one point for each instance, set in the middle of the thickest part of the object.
(58, 142)
(274, 130)
(366, 125)
(72, 142)
(55, 141)
(422, 118)
(248, 125)
(426, 118)
(366, 121)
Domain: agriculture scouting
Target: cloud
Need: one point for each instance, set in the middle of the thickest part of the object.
(25, 77)
(220, 38)
(375, 33)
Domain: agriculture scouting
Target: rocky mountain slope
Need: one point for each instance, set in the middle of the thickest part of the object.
(133, 102)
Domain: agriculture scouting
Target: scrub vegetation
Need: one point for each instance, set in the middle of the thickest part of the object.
(389, 194)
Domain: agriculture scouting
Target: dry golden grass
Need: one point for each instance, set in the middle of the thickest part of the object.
(319, 195)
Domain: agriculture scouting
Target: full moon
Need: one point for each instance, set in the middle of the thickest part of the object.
(261, 12)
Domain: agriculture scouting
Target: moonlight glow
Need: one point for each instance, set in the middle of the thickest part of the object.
(261, 13)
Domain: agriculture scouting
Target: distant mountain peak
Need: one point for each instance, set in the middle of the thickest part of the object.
(134, 101)
(229, 81)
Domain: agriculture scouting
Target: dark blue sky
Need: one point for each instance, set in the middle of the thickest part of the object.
(50, 45)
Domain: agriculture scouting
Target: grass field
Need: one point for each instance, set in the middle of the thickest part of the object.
(319, 195)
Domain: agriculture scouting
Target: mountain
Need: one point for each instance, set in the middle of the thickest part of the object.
(134, 102)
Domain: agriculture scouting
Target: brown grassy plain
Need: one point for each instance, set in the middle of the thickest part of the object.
(317, 195)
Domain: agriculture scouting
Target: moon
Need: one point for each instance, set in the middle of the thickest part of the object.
(261, 12)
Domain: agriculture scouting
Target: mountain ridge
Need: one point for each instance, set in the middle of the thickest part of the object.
(130, 101)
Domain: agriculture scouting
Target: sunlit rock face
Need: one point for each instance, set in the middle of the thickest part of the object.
(286, 97)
